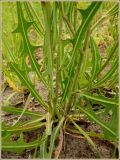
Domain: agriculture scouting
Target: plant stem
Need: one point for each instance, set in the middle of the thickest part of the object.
(58, 59)
(68, 106)
(47, 14)
(78, 70)
(86, 39)
(75, 16)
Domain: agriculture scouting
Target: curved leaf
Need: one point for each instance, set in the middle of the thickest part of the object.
(100, 99)
(29, 49)
(108, 75)
(95, 58)
(18, 111)
(26, 82)
(19, 146)
(111, 133)
(92, 9)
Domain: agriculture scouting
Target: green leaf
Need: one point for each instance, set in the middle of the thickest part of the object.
(29, 49)
(95, 59)
(48, 45)
(111, 134)
(90, 141)
(114, 80)
(18, 111)
(54, 136)
(111, 53)
(113, 123)
(29, 125)
(108, 75)
(112, 12)
(100, 99)
(34, 17)
(19, 146)
(43, 148)
(54, 26)
(88, 15)
(26, 82)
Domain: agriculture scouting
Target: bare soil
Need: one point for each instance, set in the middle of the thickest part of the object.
(73, 147)
(79, 148)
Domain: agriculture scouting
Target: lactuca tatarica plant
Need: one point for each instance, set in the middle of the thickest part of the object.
(73, 74)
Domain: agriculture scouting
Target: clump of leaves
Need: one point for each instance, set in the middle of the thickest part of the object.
(72, 74)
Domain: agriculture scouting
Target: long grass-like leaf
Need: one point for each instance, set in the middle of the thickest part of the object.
(90, 113)
(100, 99)
(43, 148)
(30, 125)
(95, 59)
(23, 128)
(110, 56)
(18, 111)
(92, 9)
(112, 12)
(48, 45)
(24, 109)
(19, 146)
(32, 16)
(22, 28)
(114, 80)
(23, 78)
(108, 75)
(54, 136)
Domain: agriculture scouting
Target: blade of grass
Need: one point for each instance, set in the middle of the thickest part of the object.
(20, 145)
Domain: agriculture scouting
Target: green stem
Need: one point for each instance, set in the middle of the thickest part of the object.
(75, 16)
(58, 59)
(47, 17)
(86, 39)
(68, 106)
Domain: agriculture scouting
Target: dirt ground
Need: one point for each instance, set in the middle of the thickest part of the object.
(79, 148)
(73, 148)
